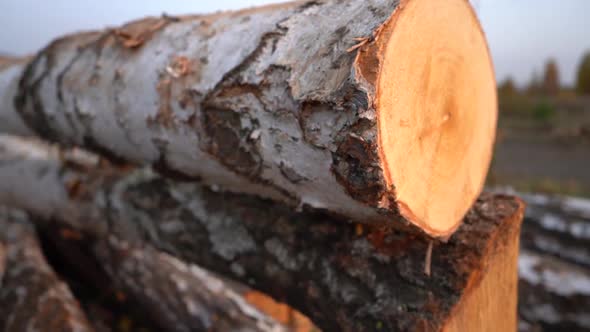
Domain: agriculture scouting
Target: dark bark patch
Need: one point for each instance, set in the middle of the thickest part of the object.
(239, 90)
(229, 141)
(95, 146)
(163, 167)
(356, 100)
(354, 165)
(27, 101)
(309, 132)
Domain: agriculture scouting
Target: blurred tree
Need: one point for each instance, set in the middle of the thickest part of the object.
(507, 87)
(534, 86)
(551, 78)
(583, 81)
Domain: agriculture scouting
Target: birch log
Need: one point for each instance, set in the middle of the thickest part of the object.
(343, 277)
(175, 296)
(554, 294)
(379, 111)
(32, 297)
(554, 288)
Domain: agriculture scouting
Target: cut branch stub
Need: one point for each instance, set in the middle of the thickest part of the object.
(380, 111)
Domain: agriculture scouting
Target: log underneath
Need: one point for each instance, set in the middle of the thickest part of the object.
(554, 288)
(380, 111)
(554, 295)
(32, 297)
(176, 296)
(343, 277)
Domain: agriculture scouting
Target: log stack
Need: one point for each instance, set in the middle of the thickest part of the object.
(329, 154)
(342, 276)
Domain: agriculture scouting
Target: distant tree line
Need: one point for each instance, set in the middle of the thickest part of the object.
(548, 84)
(583, 79)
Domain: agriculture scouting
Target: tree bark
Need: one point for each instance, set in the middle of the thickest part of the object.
(284, 101)
(558, 226)
(554, 294)
(11, 70)
(32, 297)
(554, 288)
(344, 277)
(177, 296)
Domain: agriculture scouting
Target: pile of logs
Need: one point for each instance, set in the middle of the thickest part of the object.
(140, 232)
(329, 154)
(554, 264)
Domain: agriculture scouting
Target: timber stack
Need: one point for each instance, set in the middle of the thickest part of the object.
(330, 154)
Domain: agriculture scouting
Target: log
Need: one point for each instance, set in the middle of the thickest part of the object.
(554, 267)
(380, 111)
(32, 297)
(11, 70)
(558, 226)
(175, 295)
(343, 277)
(553, 294)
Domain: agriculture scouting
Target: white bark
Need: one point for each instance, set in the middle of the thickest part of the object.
(263, 101)
(553, 292)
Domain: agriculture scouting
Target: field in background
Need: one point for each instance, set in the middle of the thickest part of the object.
(543, 143)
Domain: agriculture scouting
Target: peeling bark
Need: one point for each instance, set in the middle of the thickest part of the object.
(344, 277)
(32, 297)
(271, 101)
(230, 106)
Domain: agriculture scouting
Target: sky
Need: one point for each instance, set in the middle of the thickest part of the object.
(522, 34)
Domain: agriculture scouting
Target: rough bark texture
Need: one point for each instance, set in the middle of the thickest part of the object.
(344, 277)
(177, 296)
(2, 261)
(184, 297)
(559, 226)
(155, 279)
(265, 101)
(32, 297)
(554, 267)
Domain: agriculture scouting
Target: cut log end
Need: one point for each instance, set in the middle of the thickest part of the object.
(410, 121)
(437, 111)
